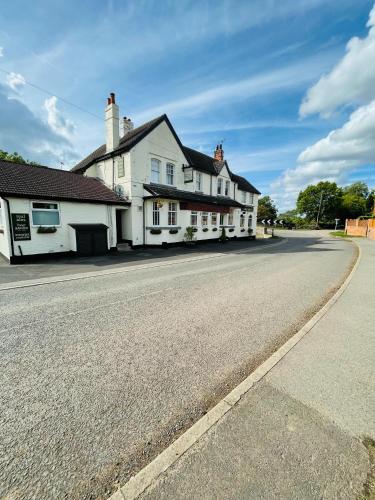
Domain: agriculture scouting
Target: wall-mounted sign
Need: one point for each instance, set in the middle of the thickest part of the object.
(188, 173)
(21, 227)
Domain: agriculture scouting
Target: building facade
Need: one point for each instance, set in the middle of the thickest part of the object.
(169, 185)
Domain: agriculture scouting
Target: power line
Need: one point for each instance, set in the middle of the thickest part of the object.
(55, 95)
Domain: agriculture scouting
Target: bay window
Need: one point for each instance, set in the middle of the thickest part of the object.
(155, 170)
(242, 220)
(204, 218)
(170, 174)
(45, 214)
(214, 218)
(155, 214)
(250, 222)
(222, 219)
(172, 213)
(230, 219)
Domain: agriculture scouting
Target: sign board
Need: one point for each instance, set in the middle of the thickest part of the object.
(21, 227)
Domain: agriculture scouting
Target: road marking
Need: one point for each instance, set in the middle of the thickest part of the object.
(95, 274)
(149, 474)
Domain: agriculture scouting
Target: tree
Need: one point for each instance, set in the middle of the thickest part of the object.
(14, 157)
(359, 189)
(266, 208)
(352, 206)
(370, 202)
(320, 203)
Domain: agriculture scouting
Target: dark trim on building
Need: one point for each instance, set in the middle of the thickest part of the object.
(60, 198)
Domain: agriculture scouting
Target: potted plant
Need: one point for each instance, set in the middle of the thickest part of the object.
(205, 229)
(46, 230)
(223, 236)
(189, 237)
(173, 231)
(214, 229)
(155, 231)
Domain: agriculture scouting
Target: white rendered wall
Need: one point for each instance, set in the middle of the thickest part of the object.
(4, 231)
(64, 240)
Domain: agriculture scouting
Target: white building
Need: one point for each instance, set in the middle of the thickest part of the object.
(169, 186)
(49, 211)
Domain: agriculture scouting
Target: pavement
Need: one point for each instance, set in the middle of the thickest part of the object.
(100, 374)
(297, 433)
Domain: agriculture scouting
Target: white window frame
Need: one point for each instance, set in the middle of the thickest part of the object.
(250, 221)
(45, 210)
(120, 167)
(194, 217)
(2, 214)
(204, 219)
(219, 185)
(155, 213)
(227, 188)
(242, 220)
(230, 219)
(213, 218)
(172, 213)
(243, 196)
(155, 161)
(198, 181)
(170, 172)
(251, 198)
(222, 219)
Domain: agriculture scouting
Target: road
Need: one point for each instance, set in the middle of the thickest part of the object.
(98, 375)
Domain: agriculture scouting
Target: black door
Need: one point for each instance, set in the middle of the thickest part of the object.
(91, 241)
(119, 225)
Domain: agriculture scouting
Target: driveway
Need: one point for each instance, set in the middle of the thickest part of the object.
(99, 374)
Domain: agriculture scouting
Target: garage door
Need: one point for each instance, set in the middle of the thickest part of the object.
(91, 239)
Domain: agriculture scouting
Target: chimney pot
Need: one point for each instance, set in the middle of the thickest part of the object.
(113, 101)
(219, 153)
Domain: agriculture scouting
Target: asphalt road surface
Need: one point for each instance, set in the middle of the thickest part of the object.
(98, 375)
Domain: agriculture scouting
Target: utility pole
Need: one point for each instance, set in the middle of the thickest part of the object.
(320, 206)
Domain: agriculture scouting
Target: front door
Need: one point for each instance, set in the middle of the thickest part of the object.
(119, 225)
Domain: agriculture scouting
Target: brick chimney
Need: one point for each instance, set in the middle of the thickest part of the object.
(112, 124)
(127, 125)
(219, 153)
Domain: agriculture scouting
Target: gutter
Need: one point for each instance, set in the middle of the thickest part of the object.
(10, 228)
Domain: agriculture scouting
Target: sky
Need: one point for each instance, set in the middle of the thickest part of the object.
(288, 86)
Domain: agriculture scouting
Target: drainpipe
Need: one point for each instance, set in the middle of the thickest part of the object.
(211, 184)
(10, 227)
(113, 174)
(144, 223)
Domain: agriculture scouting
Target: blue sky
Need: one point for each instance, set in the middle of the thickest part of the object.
(245, 72)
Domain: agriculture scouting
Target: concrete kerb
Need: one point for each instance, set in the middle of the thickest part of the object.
(94, 274)
(144, 478)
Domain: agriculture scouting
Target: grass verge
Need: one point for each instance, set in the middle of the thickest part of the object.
(342, 234)
(369, 486)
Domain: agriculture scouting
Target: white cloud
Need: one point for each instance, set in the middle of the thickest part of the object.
(15, 80)
(352, 80)
(55, 119)
(333, 157)
(1, 51)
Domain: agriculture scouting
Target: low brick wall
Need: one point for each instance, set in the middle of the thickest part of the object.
(360, 227)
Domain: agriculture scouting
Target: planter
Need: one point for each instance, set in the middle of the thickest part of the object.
(155, 231)
(46, 230)
(231, 230)
(242, 230)
(214, 229)
(195, 230)
(205, 229)
(173, 231)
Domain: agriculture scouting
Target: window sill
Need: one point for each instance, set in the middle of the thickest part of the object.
(163, 227)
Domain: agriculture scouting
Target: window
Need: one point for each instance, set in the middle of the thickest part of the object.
(45, 214)
(227, 187)
(194, 218)
(120, 167)
(242, 220)
(1, 215)
(204, 218)
(222, 219)
(230, 219)
(170, 174)
(250, 221)
(198, 181)
(214, 218)
(155, 170)
(243, 197)
(172, 213)
(251, 198)
(219, 186)
(155, 214)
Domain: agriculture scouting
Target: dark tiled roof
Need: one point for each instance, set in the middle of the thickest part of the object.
(160, 191)
(29, 181)
(126, 143)
(244, 184)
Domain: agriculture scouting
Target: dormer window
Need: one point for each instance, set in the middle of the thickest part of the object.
(155, 170)
(198, 181)
(220, 186)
